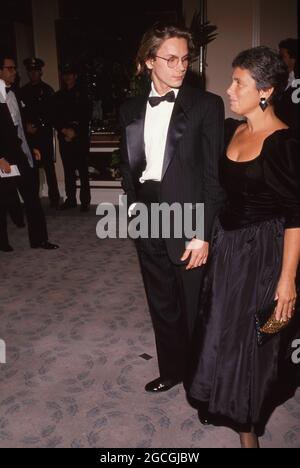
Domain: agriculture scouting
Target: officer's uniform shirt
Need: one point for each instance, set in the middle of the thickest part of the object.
(72, 109)
(37, 100)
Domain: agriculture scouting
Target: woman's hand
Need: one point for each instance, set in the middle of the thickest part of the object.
(286, 296)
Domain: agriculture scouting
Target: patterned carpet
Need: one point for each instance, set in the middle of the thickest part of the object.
(75, 322)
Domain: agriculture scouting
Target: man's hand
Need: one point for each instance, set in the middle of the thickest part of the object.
(4, 166)
(31, 129)
(69, 134)
(37, 155)
(197, 251)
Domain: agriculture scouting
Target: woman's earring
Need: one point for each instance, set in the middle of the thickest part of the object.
(263, 104)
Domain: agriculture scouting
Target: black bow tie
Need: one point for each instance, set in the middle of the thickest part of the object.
(156, 100)
(8, 90)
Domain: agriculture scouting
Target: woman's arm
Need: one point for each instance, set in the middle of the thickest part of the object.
(286, 289)
(282, 174)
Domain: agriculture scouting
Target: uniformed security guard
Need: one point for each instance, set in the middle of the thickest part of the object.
(72, 112)
(36, 98)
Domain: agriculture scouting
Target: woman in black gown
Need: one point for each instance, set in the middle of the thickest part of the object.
(255, 249)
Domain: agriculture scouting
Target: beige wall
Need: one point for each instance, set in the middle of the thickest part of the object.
(234, 20)
(242, 24)
(45, 13)
(278, 21)
(24, 46)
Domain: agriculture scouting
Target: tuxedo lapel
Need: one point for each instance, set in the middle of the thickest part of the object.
(5, 115)
(177, 126)
(135, 139)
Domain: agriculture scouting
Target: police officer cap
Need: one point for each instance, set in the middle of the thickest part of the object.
(69, 68)
(34, 63)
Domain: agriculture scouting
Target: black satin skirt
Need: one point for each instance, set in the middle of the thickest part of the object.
(231, 374)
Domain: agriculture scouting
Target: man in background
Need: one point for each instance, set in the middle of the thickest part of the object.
(286, 109)
(36, 98)
(72, 113)
(15, 151)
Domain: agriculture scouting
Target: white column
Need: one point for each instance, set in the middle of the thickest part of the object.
(44, 15)
(256, 27)
(25, 48)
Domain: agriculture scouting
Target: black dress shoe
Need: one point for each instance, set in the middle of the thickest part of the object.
(46, 246)
(6, 248)
(55, 205)
(205, 418)
(67, 205)
(161, 385)
(204, 421)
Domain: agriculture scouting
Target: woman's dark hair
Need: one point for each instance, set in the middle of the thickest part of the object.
(153, 39)
(267, 69)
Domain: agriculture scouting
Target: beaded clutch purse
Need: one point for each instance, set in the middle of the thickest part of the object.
(266, 324)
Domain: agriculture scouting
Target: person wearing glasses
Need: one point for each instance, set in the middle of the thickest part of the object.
(172, 139)
(15, 151)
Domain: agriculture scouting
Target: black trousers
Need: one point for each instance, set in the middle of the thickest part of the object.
(47, 163)
(173, 295)
(15, 209)
(27, 186)
(43, 140)
(75, 157)
(7, 191)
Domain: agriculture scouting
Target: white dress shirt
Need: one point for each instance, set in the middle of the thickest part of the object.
(2, 92)
(15, 113)
(157, 124)
(291, 79)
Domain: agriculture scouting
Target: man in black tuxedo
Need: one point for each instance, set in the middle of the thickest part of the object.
(285, 108)
(172, 140)
(14, 150)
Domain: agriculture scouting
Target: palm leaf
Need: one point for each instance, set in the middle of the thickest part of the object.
(203, 33)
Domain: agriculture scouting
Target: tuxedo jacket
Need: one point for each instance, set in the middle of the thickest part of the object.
(286, 110)
(10, 144)
(191, 162)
